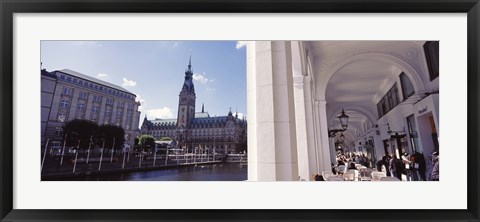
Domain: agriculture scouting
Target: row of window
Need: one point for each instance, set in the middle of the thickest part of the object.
(95, 86)
(210, 139)
(391, 99)
(65, 103)
(81, 108)
(62, 118)
(431, 49)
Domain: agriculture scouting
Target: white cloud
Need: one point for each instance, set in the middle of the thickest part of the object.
(102, 76)
(142, 102)
(162, 113)
(240, 115)
(200, 78)
(128, 83)
(87, 43)
(241, 44)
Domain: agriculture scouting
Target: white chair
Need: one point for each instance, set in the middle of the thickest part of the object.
(361, 167)
(334, 178)
(365, 174)
(350, 175)
(377, 175)
(389, 179)
(327, 174)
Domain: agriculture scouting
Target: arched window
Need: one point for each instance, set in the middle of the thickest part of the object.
(407, 86)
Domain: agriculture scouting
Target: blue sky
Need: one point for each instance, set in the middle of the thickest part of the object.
(155, 70)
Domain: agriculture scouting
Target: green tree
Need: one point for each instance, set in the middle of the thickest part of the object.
(79, 129)
(165, 139)
(108, 133)
(146, 142)
(241, 147)
(243, 143)
(136, 147)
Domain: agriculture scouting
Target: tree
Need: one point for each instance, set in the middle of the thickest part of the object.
(79, 129)
(241, 147)
(136, 147)
(146, 142)
(108, 133)
(165, 139)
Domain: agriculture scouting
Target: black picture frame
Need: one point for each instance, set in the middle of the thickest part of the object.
(9, 7)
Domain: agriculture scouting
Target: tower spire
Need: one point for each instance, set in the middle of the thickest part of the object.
(190, 61)
(203, 107)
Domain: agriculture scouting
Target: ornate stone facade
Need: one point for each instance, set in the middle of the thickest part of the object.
(220, 134)
(68, 95)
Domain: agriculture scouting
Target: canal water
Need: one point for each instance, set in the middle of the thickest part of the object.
(210, 172)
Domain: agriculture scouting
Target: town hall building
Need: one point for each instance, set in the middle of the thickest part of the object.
(198, 130)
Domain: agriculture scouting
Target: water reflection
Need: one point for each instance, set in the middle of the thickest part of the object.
(212, 172)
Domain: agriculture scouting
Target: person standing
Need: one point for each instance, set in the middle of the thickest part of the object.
(418, 166)
(396, 167)
(435, 176)
(386, 163)
(408, 169)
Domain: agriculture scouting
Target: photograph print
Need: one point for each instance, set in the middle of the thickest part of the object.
(340, 111)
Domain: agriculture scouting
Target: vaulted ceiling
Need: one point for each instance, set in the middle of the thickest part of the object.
(359, 83)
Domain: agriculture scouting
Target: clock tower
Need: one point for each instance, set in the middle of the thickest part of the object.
(186, 105)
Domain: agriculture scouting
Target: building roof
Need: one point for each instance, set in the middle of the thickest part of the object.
(44, 72)
(92, 79)
(210, 119)
(160, 121)
(202, 115)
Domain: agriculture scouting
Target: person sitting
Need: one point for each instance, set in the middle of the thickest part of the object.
(379, 165)
(317, 177)
(334, 170)
(351, 166)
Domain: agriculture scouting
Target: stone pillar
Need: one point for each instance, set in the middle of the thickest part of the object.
(57, 98)
(323, 146)
(307, 159)
(124, 115)
(101, 110)
(74, 104)
(309, 120)
(273, 148)
(301, 129)
(114, 111)
(251, 110)
(88, 106)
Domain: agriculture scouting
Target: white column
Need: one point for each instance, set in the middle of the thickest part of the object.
(251, 110)
(323, 146)
(307, 159)
(302, 146)
(274, 148)
(309, 120)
